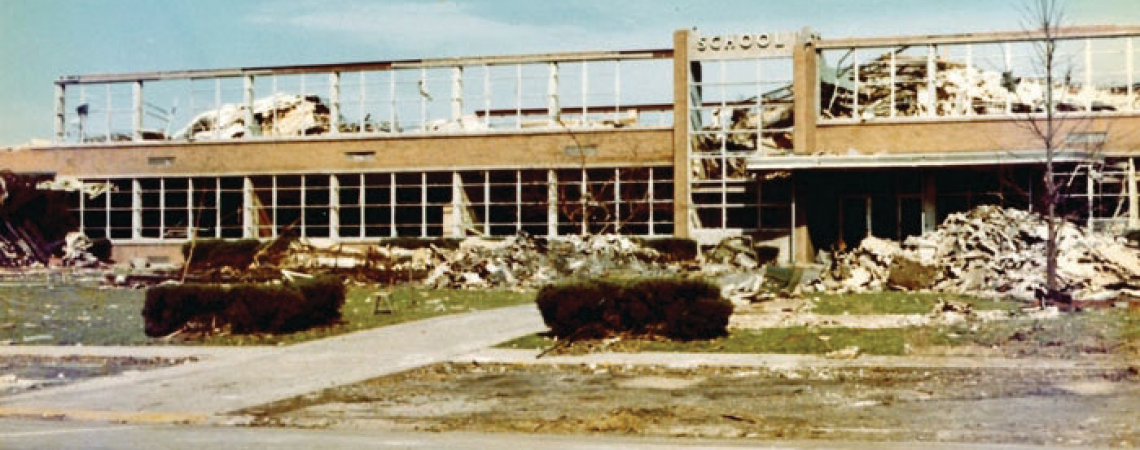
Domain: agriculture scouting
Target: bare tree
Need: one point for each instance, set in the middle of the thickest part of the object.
(591, 210)
(1046, 17)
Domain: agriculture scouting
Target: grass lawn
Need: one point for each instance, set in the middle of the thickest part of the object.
(1112, 332)
(899, 303)
(69, 315)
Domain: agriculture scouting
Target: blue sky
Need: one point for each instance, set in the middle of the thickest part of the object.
(41, 40)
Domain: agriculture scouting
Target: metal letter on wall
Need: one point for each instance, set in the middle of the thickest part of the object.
(738, 46)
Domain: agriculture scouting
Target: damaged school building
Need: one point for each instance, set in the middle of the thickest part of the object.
(802, 142)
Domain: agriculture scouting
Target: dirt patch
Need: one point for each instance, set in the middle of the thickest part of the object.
(1086, 406)
(793, 313)
(19, 373)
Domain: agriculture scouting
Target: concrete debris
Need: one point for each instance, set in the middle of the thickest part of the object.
(525, 261)
(277, 115)
(851, 352)
(77, 251)
(738, 253)
(519, 261)
(743, 288)
(989, 251)
(72, 184)
(468, 122)
(33, 221)
(285, 114)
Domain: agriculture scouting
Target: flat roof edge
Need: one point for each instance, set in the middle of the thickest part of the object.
(367, 65)
(878, 161)
(1075, 32)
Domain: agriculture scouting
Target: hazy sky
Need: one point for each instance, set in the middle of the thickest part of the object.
(41, 40)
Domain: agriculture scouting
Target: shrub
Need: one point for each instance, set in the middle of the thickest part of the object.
(676, 308)
(673, 249)
(215, 253)
(246, 307)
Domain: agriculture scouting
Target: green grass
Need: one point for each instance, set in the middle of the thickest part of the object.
(69, 315)
(794, 340)
(1112, 332)
(899, 303)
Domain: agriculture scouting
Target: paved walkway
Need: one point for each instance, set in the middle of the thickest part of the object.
(232, 380)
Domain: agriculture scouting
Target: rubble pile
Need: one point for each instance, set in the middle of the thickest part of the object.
(34, 222)
(475, 262)
(524, 261)
(277, 115)
(989, 251)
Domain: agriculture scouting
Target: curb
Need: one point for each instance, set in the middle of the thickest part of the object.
(692, 360)
(121, 417)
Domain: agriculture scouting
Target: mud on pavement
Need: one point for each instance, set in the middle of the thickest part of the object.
(1082, 406)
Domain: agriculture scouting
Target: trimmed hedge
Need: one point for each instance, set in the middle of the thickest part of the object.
(673, 249)
(247, 307)
(215, 253)
(676, 308)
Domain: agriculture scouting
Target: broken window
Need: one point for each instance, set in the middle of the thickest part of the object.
(986, 78)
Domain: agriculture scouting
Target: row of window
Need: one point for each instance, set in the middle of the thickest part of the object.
(962, 80)
(473, 97)
(634, 201)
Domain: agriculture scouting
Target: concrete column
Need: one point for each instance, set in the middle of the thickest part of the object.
(247, 99)
(802, 249)
(458, 208)
(1088, 87)
(456, 93)
(931, 74)
(929, 202)
(551, 203)
(249, 223)
(553, 110)
(1090, 194)
(334, 207)
(136, 110)
(191, 219)
(681, 170)
(1133, 200)
(60, 134)
(805, 83)
(334, 103)
(136, 209)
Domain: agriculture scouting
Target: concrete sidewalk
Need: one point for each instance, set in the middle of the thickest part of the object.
(226, 381)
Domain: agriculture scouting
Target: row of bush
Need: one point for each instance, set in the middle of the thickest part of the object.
(676, 308)
(245, 307)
